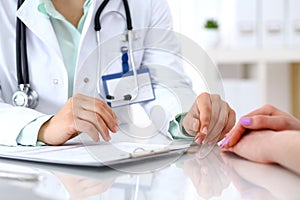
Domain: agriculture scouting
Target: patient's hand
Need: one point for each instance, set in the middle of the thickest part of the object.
(266, 117)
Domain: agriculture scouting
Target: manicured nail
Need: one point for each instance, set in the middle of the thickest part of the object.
(246, 121)
(198, 140)
(116, 129)
(204, 130)
(224, 142)
(108, 138)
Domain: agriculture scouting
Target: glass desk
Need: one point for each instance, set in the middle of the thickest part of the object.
(218, 176)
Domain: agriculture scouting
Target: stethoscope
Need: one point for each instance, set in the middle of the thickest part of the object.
(130, 96)
(27, 97)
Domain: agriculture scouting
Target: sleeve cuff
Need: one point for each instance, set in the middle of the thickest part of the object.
(28, 135)
(176, 129)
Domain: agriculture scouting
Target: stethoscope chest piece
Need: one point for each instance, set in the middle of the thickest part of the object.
(25, 97)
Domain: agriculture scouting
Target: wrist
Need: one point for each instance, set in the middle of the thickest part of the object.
(274, 149)
(41, 134)
(280, 145)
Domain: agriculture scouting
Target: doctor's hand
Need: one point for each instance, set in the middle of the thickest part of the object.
(80, 187)
(80, 114)
(209, 115)
(266, 117)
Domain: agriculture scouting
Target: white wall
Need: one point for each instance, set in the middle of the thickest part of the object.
(252, 25)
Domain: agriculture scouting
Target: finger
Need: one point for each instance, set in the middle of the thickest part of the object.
(105, 112)
(199, 138)
(108, 116)
(95, 119)
(86, 127)
(191, 125)
(98, 106)
(100, 103)
(97, 122)
(205, 108)
(257, 122)
(265, 110)
(218, 121)
(230, 122)
(233, 136)
(101, 129)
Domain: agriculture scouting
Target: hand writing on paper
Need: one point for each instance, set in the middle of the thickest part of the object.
(80, 114)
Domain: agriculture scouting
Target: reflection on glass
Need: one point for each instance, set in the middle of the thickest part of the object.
(261, 181)
(81, 187)
(207, 174)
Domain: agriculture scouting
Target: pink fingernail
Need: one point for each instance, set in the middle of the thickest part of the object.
(224, 142)
(246, 121)
(204, 130)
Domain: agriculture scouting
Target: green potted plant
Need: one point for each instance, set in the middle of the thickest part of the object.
(211, 24)
(211, 33)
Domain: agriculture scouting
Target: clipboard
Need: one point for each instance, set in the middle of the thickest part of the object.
(76, 153)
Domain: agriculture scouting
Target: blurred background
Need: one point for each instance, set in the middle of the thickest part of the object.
(255, 44)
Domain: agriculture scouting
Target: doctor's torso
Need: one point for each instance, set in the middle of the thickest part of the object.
(48, 75)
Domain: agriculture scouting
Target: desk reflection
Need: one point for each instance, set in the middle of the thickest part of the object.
(82, 187)
(207, 174)
(261, 181)
(217, 176)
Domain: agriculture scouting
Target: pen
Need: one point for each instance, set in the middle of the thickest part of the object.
(19, 176)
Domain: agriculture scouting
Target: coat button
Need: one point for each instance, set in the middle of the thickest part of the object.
(86, 80)
(55, 81)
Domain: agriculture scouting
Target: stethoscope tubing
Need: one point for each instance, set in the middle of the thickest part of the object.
(21, 51)
(97, 28)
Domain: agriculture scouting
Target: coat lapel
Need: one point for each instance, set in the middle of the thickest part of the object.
(38, 24)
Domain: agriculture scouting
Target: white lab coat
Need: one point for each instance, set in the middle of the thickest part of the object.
(48, 75)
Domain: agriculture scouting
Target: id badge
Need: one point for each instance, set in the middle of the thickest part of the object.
(119, 85)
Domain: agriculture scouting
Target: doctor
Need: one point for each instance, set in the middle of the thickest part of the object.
(60, 36)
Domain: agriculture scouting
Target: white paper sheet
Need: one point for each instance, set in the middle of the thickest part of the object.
(87, 154)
